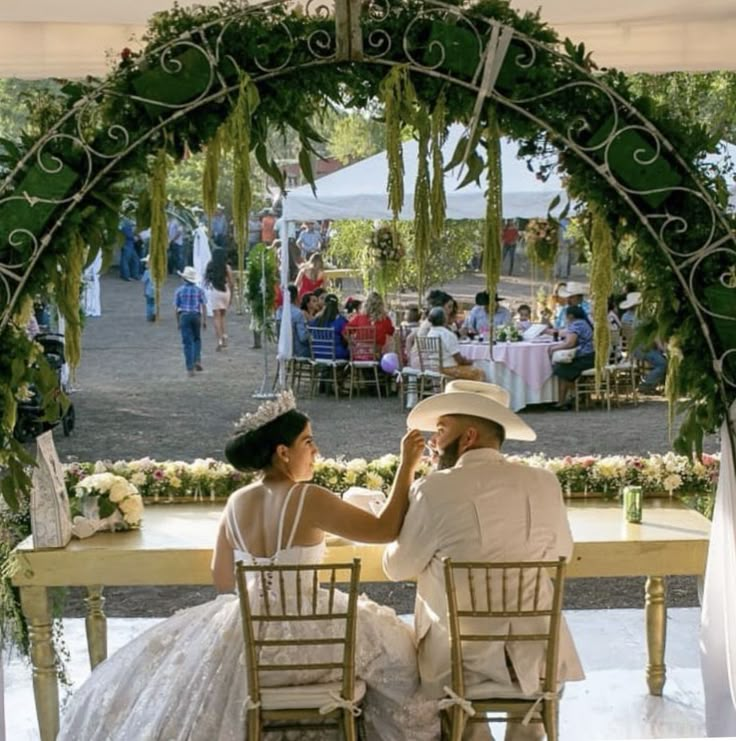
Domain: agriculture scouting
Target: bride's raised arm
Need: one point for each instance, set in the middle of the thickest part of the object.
(328, 512)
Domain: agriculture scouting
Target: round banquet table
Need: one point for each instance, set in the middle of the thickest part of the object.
(522, 368)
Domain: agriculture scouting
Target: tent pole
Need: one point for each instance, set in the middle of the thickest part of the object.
(285, 347)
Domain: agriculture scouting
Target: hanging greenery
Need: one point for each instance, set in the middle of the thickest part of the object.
(159, 244)
(439, 200)
(601, 283)
(422, 225)
(261, 288)
(240, 140)
(672, 381)
(398, 96)
(68, 280)
(211, 173)
(492, 255)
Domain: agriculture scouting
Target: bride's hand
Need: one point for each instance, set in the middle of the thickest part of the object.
(412, 447)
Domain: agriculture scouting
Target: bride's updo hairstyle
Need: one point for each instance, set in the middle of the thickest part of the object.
(258, 435)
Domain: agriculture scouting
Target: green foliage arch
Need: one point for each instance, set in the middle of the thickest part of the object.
(274, 67)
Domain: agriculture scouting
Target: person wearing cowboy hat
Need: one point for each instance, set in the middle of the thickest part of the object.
(478, 506)
(653, 355)
(574, 293)
(190, 303)
(149, 290)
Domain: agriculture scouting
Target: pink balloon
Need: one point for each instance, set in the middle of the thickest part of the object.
(390, 362)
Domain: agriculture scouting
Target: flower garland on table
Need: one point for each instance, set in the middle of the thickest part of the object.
(211, 480)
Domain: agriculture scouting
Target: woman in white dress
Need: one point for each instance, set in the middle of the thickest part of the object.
(218, 279)
(185, 678)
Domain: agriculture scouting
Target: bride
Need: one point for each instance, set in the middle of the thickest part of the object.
(185, 677)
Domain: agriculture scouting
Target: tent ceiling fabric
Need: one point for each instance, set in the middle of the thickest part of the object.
(359, 190)
(48, 38)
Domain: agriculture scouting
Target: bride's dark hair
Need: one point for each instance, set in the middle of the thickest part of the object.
(253, 450)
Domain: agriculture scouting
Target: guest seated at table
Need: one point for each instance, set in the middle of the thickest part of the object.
(184, 678)
(319, 294)
(454, 363)
(558, 306)
(311, 275)
(578, 335)
(477, 322)
(352, 306)
(501, 315)
(412, 318)
(524, 318)
(299, 336)
(331, 318)
(574, 293)
(454, 322)
(652, 354)
(373, 314)
(309, 305)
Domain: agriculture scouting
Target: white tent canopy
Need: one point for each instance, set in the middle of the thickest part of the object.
(359, 191)
(48, 38)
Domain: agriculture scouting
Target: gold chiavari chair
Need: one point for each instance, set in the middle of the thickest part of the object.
(293, 626)
(432, 379)
(483, 598)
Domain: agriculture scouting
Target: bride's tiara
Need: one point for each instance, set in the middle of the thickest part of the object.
(266, 412)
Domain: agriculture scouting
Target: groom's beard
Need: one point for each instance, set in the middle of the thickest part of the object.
(449, 455)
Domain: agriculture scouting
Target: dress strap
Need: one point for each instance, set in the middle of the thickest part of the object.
(297, 516)
(279, 537)
(234, 529)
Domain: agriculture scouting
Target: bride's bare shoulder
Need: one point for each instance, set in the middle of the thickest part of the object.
(247, 493)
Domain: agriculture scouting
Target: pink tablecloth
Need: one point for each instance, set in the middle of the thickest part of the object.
(530, 360)
(522, 368)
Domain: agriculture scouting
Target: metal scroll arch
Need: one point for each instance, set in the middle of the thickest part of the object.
(361, 33)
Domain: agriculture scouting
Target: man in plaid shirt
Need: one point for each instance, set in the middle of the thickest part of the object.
(191, 317)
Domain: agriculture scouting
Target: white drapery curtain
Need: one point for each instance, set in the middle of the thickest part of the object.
(48, 38)
(718, 615)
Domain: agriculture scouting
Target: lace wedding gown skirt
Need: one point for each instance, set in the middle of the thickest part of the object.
(185, 679)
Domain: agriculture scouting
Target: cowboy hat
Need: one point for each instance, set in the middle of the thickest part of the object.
(473, 398)
(572, 288)
(632, 299)
(189, 274)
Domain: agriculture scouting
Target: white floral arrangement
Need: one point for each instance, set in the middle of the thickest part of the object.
(105, 501)
(207, 479)
(508, 333)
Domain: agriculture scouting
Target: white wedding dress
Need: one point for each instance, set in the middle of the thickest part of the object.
(185, 677)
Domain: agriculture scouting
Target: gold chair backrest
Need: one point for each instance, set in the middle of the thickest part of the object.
(429, 350)
(290, 611)
(506, 591)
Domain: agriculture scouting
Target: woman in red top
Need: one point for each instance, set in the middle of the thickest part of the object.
(373, 314)
(311, 275)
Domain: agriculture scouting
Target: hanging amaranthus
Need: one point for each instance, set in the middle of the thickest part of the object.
(422, 226)
(239, 131)
(601, 281)
(68, 286)
(438, 200)
(211, 173)
(397, 93)
(159, 243)
(494, 205)
(672, 380)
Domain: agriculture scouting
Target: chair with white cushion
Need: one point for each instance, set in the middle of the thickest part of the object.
(481, 597)
(294, 627)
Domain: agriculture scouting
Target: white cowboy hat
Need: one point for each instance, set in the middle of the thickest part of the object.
(473, 398)
(572, 288)
(632, 299)
(189, 274)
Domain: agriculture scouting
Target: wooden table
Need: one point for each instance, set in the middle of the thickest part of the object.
(175, 546)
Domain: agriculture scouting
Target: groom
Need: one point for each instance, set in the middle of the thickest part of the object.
(478, 506)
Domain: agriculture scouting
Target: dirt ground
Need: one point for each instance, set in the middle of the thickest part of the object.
(133, 398)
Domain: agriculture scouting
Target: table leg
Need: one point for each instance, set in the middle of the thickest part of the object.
(656, 615)
(96, 626)
(37, 611)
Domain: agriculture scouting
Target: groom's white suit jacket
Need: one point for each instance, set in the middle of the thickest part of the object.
(484, 509)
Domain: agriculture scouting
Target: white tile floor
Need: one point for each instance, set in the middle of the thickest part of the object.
(612, 703)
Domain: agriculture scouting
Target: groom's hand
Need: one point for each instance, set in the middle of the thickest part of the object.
(412, 447)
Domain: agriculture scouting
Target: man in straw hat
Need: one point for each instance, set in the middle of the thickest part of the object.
(190, 303)
(653, 354)
(478, 506)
